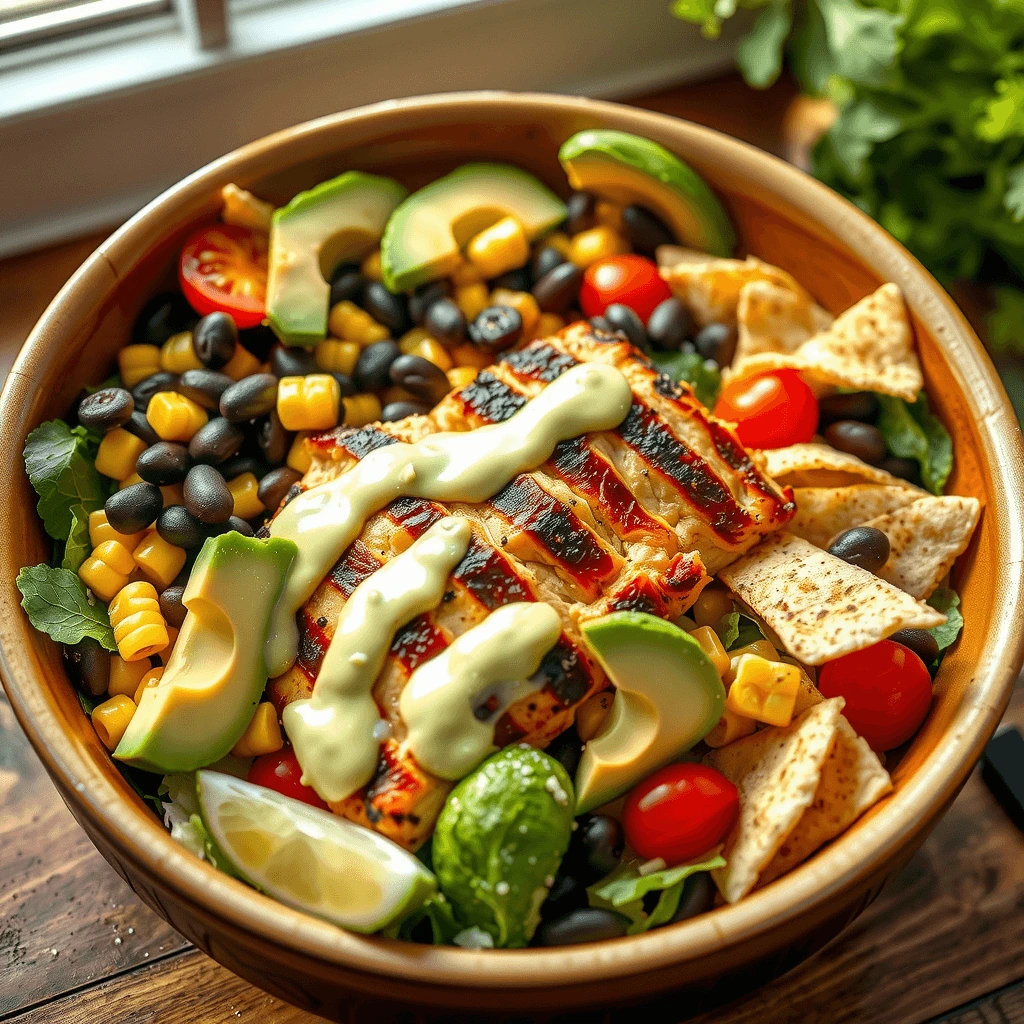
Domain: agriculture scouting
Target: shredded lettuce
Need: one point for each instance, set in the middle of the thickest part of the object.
(913, 432)
(946, 601)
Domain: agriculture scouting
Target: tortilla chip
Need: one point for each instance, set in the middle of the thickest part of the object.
(670, 255)
(819, 606)
(824, 512)
(852, 780)
(925, 539)
(816, 464)
(808, 695)
(777, 772)
(771, 318)
(870, 347)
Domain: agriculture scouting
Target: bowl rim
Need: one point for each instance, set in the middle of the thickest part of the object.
(840, 868)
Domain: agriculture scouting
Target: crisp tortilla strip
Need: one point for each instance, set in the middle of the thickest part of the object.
(777, 772)
(819, 606)
(771, 318)
(870, 347)
(852, 780)
(925, 539)
(815, 464)
(824, 512)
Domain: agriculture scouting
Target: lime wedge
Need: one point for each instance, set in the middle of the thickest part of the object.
(310, 859)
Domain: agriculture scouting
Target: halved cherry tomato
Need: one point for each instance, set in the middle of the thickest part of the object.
(679, 812)
(280, 771)
(630, 280)
(772, 409)
(887, 688)
(223, 268)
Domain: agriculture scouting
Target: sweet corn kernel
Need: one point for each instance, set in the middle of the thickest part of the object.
(107, 569)
(549, 323)
(472, 299)
(712, 603)
(125, 676)
(466, 273)
(172, 635)
(361, 409)
(129, 480)
(395, 394)
(138, 624)
(149, 680)
(337, 356)
(524, 303)
(730, 727)
(370, 267)
(503, 246)
(244, 209)
(175, 417)
(764, 690)
(593, 713)
(596, 244)
(263, 734)
(173, 494)
(241, 364)
(407, 342)
(350, 323)
(177, 354)
(461, 376)
(712, 647)
(118, 453)
(609, 215)
(243, 489)
(112, 718)
(469, 355)
(158, 560)
(434, 352)
(300, 458)
(308, 403)
(100, 530)
(137, 362)
(557, 240)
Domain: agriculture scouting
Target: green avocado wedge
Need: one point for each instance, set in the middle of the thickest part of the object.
(216, 673)
(339, 220)
(627, 169)
(424, 235)
(668, 696)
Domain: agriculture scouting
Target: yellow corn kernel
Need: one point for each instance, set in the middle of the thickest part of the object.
(361, 409)
(308, 403)
(137, 362)
(337, 356)
(158, 560)
(244, 209)
(263, 735)
(370, 267)
(177, 354)
(125, 676)
(173, 494)
(172, 636)
(465, 273)
(107, 569)
(100, 530)
(138, 624)
(609, 215)
(243, 489)
(112, 718)
(241, 364)
(407, 342)
(712, 647)
(712, 603)
(461, 376)
(150, 679)
(434, 352)
(472, 299)
(549, 323)
(524, 304)
(175, 417)
(395, 394)
(503, 246)
(118, 453)
(764, 690)
(596, 244)
(300, 458)
(468, 354)
(129, 480)
(558, 240)
(730, 727)
(350, 323)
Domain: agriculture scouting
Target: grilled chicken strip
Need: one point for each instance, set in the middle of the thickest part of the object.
(638, 518)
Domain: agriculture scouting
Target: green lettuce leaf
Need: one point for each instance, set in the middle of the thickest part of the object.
(78, 546)
(438, 912)
(728, 629)
(737, 630)
(701, 374)
(947, 601)
(56, 603)
(912, 432)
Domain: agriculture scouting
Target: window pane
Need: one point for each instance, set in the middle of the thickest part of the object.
(28, 21)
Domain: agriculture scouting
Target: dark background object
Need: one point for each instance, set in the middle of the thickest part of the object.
(1003, 769)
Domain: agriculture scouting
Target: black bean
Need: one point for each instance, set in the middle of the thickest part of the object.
(698, 896)
(420, 377)
(346, 283)
(860, 439)
(275, 485)
(140, 427)
(133, 508)
(249, 398)
(858, 405)
(567, 749)
(241, 526)
(89, 666)
(496, 328)
(179, 527)
(399, 410)
(153, 384)
(906, 469)
(163, 463)
(387, 308)
(625, 320)
(244, 463)
(292, 362)
(718, 342)
(164, 315)
(518, 280)
(373, 364)
(206, 495)
(644, 230)
(425, 296)
(204, 387)
(258, 340)
(346, 386)
(215, 441)
(862, 545)
(669, 325)
(446, 322)
(545, 259)
(565, 895)
(600, 324)
(920, 641)
(587, 924)
(105, 409)
(171, 607)
(579, 212)
(602, 841)
(273, 440)
(214, 339)
(556, 291)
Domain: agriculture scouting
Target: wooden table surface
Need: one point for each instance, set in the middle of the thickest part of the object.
(944, 940)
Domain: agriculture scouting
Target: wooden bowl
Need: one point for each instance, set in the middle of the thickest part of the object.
(781, 215)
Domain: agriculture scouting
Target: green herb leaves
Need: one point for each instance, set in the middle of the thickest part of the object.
(701, 374)
(912, 432)
(946, 601)
(57, 604)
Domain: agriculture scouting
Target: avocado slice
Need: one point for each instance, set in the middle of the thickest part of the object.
(341, 219)
(669, 696)
(627, 169)
(217, 672)
(424, 235)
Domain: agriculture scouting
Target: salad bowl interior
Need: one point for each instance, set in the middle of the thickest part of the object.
(780, 215)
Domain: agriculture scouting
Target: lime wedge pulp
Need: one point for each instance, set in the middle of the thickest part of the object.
(310, 859)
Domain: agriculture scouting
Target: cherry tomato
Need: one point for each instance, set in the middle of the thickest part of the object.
(887, 688)
(280, 771)
(223, 268)
(631, 280)
(679, 812)
(772, 409)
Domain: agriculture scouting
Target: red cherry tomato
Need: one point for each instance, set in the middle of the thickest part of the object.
(772, 409)
(887, 688)
(679, 812)
(630, 280)
(223, 268)
(280, 771)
